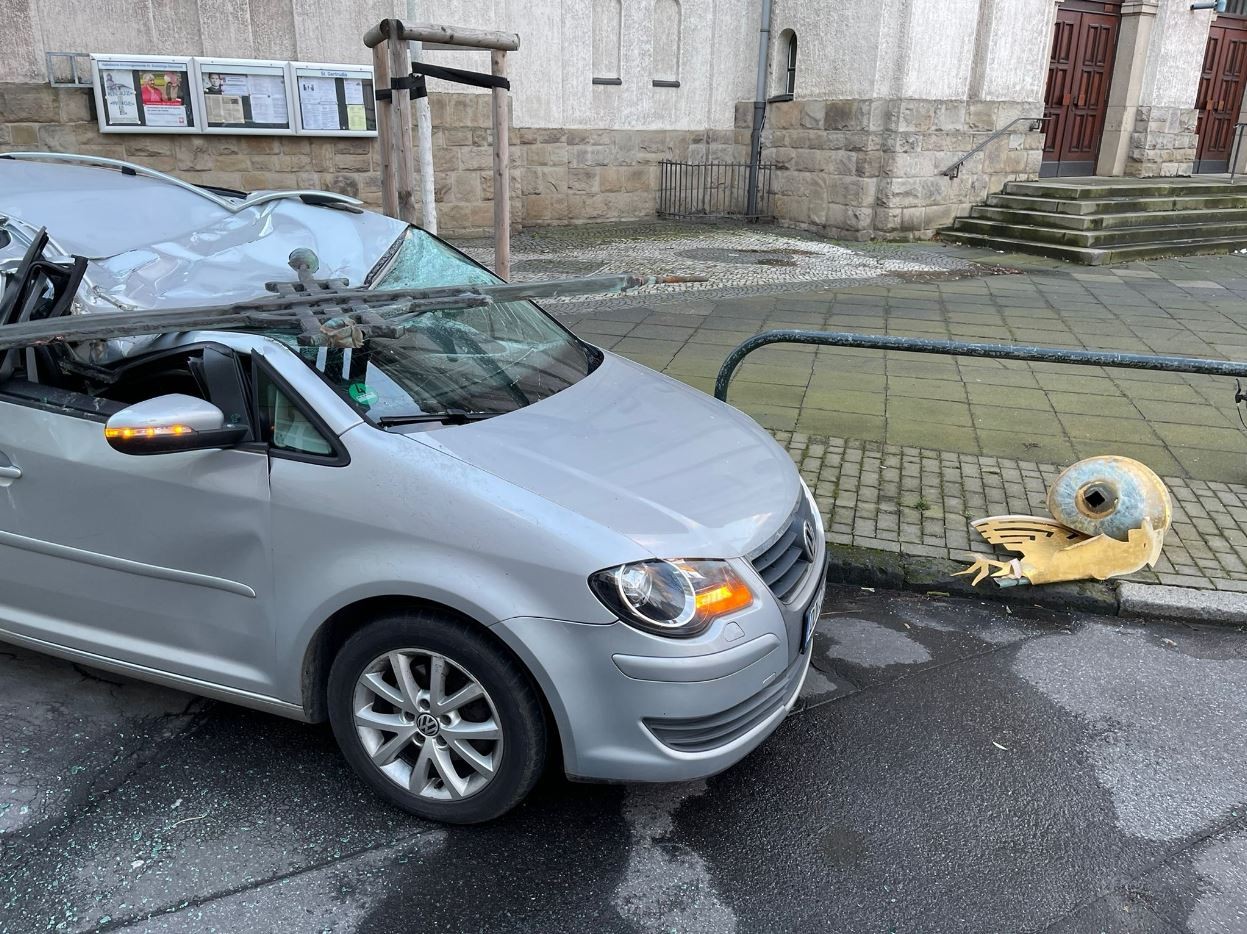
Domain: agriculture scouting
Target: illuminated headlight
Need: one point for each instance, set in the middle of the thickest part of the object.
(678, 598)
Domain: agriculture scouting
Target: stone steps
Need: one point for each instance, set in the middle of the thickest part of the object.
(1109, 221)
(1113, 236)
(1090, 256)
(1119, 205)
(1098, 221)
(1092, 189)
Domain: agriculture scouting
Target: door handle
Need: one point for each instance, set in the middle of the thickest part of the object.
(9, 470)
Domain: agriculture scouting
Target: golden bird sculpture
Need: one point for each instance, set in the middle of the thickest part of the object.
(1110, 515)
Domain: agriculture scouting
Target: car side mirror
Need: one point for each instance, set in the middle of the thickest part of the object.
(171, 423)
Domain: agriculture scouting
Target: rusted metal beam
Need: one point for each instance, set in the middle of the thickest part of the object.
(291, 309)
(1108, 358)
(502, 168)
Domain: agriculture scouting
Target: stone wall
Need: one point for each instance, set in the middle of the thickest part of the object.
(558, 175)
(39, 117)
(858, 169)
(1162, 142)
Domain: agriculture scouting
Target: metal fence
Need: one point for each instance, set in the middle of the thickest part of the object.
(714, 189)
(1108, 358)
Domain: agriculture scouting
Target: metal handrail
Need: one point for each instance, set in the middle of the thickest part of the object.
(234, 207)
(1236, 148)
(954, 170)
(1129, 361)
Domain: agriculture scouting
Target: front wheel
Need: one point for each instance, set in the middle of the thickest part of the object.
(437, 718)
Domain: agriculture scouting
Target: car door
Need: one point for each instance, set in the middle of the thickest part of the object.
(159, 561)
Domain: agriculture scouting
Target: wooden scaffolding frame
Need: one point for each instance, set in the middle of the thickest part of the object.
(394, 82)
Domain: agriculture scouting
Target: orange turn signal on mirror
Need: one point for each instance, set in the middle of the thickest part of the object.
(149, 432)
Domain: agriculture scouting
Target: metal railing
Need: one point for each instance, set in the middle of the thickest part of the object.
(954, 170)
(1236, 149)
(1129, 361)
(714, 189)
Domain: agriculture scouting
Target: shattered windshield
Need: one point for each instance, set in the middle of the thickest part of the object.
(454, 365)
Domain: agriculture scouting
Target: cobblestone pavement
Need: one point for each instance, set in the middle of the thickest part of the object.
(755, 260)
(916, 501)
(969, 437)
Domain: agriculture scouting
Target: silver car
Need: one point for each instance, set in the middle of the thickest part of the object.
(472, 549)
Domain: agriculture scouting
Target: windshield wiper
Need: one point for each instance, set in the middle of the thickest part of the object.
(448, 417)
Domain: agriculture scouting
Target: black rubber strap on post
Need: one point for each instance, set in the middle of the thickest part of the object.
(476, 79)
(414, 85)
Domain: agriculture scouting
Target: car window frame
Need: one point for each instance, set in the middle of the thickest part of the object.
(141, 359)
(340, 456)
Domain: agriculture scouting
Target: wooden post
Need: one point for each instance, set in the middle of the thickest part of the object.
(502, 169)
(424, 155)
(402, 159)
(380, 82)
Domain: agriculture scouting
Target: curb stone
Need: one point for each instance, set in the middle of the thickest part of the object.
(867, 567)
(1216, 606)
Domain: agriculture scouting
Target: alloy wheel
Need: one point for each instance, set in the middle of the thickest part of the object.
(428, 724)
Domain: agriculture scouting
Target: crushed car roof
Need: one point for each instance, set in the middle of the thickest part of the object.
(154, 244)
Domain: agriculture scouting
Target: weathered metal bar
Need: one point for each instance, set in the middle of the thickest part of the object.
(955, 169)
(502, 167)
(281, 310)
(449, 35)
(1129, 361)
(1237, 149)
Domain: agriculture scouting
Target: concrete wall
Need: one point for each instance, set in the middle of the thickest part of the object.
(307, 30)
(551, 74)
(1175, 55)
(889, 95)
(1012, 50)
(838, 48)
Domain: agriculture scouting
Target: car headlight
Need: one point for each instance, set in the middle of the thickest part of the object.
(678, 598)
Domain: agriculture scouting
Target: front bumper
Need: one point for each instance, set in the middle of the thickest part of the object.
(697, 708)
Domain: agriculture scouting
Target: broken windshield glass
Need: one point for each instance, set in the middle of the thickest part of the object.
(485, 360)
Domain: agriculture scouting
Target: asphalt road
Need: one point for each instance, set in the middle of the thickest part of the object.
(955, 768)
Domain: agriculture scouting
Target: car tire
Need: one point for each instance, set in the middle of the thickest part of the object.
(381, 690)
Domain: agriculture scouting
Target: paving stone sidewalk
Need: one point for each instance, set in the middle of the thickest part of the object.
(919, 502)
(908, 448)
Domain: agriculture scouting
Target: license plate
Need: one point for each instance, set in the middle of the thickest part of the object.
(810, 620)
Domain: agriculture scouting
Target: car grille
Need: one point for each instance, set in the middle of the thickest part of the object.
(699, 734)
(785, 563)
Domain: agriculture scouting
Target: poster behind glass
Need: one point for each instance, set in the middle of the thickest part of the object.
(244, 96)
(335, 100)
(144, 94)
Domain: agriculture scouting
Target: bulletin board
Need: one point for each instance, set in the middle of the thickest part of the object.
(244, 96)
(334, 100)
(144, 94)
(233, 96)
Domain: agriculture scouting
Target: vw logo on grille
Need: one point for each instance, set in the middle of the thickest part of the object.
(426, 723)
(809, 541)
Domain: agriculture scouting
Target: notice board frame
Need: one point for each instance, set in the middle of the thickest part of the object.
(104, 61)
(336, 71)
(204, 64)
